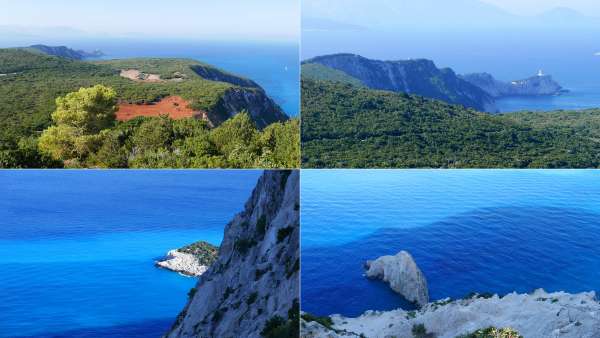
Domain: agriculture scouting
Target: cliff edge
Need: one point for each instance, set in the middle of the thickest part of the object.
(255, 278)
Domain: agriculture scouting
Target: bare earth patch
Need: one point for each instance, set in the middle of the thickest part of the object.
(173, 106)
(136, 75)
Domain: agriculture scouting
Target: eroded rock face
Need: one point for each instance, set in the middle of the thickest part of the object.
(402, 274)
(536, 315)
(255, 276)
(420, 77)
(263, 110)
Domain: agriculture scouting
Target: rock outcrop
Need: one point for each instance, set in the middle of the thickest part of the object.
(402, 274)
(256, 275)
(183, 263)
(536, 315)
(419, 76)
(255, 101)
(539, 85)
(191, 260)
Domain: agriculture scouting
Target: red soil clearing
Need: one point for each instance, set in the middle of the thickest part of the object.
(173, 106)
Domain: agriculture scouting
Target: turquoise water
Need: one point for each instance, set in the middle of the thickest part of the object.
(468, 230)
(78, 247)
(274, 66)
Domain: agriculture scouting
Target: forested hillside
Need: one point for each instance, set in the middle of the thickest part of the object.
(30, 84)
(350, 126)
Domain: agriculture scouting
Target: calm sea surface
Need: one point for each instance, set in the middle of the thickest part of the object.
(468, 230)
(77, 247)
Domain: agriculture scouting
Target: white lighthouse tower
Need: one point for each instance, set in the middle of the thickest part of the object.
(540, 73)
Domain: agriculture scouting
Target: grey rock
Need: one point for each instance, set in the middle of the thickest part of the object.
(402, 274)
(256, 274)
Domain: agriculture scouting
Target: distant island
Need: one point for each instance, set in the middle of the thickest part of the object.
(422, 77)
(537, 85)
(66, 52)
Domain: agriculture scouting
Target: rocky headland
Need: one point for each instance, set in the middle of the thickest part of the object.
(191, 260)
(538, 85)
(402, 274)
(252, 289)
(539, 314)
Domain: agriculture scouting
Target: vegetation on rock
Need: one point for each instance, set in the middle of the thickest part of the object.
(205, 252)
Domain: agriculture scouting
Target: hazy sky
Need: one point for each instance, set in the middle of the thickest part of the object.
(235, 19)
(532, 7)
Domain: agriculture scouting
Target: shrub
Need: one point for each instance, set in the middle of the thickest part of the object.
(283, 233)
(492, 332)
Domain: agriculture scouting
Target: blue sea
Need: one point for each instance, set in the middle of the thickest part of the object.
(568, 55)
(274, 66)
(78, 247)
(468, 230)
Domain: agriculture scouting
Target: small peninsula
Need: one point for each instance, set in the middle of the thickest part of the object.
(191, 260)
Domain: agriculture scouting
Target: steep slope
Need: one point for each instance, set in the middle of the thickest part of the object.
(420, 77)
(255, 277)
(348, 127)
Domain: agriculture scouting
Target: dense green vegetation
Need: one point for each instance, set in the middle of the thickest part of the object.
(353, 127)
(31, 83)
(204, 251)
(492, 332)
(317, 71)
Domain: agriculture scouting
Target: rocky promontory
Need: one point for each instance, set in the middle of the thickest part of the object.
(191, 260)
(538, 85)
(402, 274)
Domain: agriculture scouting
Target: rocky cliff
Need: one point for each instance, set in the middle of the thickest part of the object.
(420, 77)
(536, 315)
(65, 52)
(255, 278)
(255, 101)
(402, 274)
(533, 86)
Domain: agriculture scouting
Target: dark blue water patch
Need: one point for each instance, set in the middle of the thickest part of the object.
(44, 204)
(77, 247)
(150, 328)
(497, 250)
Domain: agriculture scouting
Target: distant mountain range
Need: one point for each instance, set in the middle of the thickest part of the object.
(66, 52)
(435, 13)
(422, 77)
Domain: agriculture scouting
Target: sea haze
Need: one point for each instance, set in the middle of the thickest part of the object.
(568, 54)
(481, 231)
(78, 247)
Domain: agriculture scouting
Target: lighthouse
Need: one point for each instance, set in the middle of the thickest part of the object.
(540, 73)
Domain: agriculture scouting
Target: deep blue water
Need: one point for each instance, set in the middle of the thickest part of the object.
(567, 55)
(78, 247)
(468, 230)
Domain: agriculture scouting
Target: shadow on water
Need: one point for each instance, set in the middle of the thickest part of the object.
(497, 250)
(148, 328)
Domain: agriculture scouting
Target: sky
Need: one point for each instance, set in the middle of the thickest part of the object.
(533, 7)
(202, 19)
